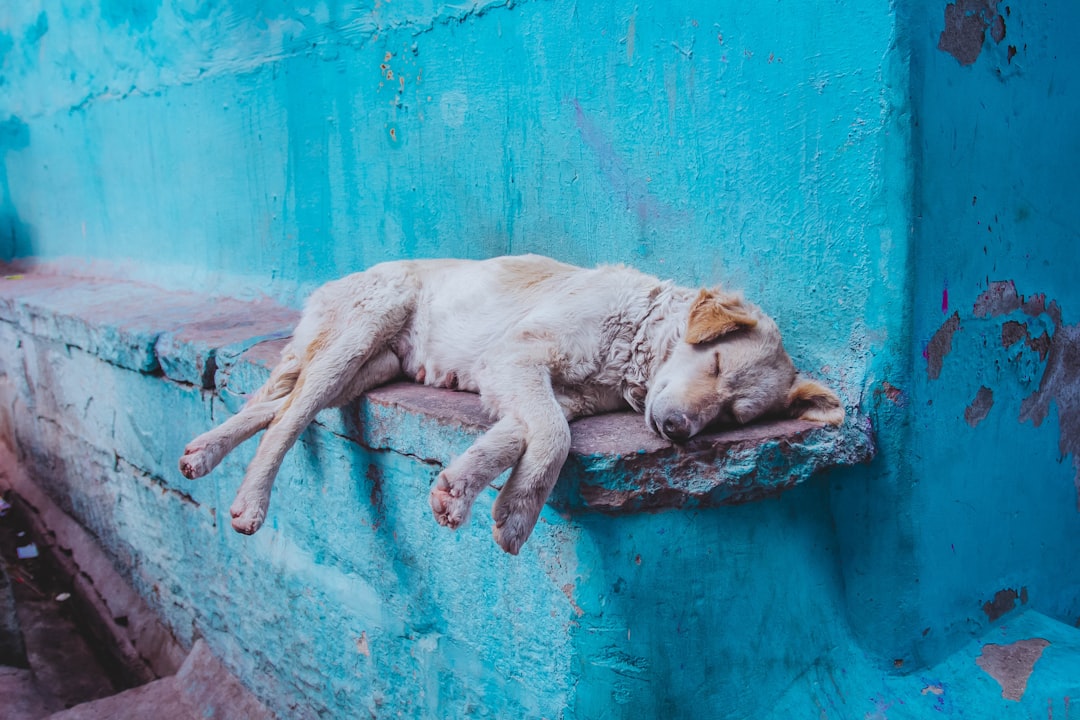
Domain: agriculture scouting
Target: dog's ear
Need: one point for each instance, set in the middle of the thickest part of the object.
(810, 400)
(713, 316)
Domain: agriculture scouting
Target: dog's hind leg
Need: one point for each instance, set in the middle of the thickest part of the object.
(203, 454)
(457, 486)
(333, 376)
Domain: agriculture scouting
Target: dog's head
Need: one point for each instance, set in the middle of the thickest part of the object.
(731, 368)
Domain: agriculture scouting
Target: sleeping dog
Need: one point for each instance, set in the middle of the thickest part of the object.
(543, 343)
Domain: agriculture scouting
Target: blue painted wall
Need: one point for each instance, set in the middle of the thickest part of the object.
(290, 144)
(865, 171)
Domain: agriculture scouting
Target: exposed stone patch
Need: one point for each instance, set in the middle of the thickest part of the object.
(1012, 665)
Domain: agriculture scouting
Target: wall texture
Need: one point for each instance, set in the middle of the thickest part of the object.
(893, 182)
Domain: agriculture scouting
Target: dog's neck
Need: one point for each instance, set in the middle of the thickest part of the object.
(663, 325)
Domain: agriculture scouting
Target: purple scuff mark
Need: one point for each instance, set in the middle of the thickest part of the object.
(634, 190)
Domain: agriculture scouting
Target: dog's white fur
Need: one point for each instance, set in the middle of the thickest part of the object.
(542, 342)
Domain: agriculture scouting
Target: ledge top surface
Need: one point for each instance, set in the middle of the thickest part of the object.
(227, 346)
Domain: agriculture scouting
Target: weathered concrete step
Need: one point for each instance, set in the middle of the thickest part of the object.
(202, 690)
(12, 648)
(21, 698)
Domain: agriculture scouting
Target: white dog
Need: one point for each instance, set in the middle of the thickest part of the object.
(543, 343)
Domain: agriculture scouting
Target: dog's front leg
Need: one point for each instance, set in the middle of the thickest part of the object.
(457, 486)
(523, 390)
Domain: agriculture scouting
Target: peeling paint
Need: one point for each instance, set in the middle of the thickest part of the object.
(1060, 381)
(1003, 602)
(890, 391)
(940, 345)
(1011, 665)
(1060, 385)
(568, 591)
(362, 645)
(1013, 332)
(966, 23)
(979, 408)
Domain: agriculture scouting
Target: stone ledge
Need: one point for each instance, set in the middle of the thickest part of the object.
(226, 345)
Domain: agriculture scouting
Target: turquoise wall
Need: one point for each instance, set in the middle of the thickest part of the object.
(865, 171)
(285, 144)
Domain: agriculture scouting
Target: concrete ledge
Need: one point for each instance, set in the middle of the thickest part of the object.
(229, 346)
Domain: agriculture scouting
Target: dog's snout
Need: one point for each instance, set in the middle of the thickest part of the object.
(677, 427)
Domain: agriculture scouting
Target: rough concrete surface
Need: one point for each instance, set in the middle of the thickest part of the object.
(21, 698)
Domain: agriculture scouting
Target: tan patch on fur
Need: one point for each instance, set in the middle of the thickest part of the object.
(809, 400)
(713, 316)
(317, 345)
(699, 400)
(288, 400)
(527, 273)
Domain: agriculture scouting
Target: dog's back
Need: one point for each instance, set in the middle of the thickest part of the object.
(468, 314)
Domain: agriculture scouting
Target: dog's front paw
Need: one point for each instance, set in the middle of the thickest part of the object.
(514, 522)
(449, 503)
(247, 516)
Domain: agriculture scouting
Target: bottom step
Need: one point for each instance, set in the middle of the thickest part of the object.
(1026, 666)
(202, 690)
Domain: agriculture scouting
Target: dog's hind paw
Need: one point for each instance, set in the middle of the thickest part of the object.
(198, 460)
(448, 504)
(192, 466)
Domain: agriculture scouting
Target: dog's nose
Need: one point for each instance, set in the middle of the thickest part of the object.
(677, 427)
